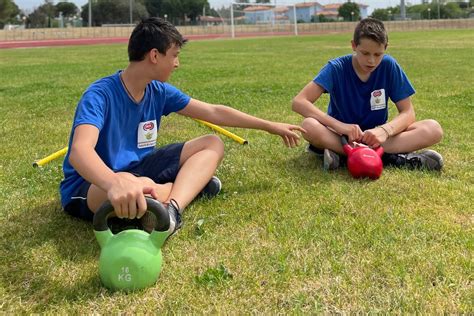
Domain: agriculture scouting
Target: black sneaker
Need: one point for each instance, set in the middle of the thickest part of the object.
(426, 159)
(331, 160)
(148, 220)
(212, 188)
(314, 150)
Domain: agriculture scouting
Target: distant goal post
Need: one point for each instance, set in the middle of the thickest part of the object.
(263, 19)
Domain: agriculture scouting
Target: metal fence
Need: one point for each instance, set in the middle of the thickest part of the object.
(223, 30)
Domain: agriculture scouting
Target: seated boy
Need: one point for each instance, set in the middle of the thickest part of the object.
(360, 86)
(112, 154)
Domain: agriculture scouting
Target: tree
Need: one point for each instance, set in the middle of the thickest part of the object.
(453, 11)
(68, 9)
(43, 15)
(194, 8)
(380, 14)
(178, 11)
(349, 11)
(113, 12)
(154, 7)
(8, 12)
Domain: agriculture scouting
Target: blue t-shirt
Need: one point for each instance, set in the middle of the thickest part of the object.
(353, 101)
(127, 130)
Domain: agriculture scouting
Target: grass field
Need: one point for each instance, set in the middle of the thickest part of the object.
(284, 236)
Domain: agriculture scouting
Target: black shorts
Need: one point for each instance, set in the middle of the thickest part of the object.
(161, 165)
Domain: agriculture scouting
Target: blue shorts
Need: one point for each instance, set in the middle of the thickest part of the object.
(161, 165)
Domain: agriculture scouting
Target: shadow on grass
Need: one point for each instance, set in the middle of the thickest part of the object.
(307, 169)
(48, 258)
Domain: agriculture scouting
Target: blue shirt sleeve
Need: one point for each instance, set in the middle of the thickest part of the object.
(91, 109)
(175, 99)
(325, 78)
(400, 87)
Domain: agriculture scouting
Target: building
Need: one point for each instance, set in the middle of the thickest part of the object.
(305, 12)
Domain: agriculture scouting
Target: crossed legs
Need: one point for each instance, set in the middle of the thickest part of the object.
(418, 135)
(198, 162)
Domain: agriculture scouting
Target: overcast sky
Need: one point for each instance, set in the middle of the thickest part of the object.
(373, 4)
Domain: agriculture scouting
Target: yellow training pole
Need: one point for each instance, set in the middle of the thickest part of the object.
(223, 131)
(49, 158)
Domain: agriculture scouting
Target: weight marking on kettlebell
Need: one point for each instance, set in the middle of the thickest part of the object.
(125, 275)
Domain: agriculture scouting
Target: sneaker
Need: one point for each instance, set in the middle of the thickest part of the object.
(314, 150)
(148, 220)
(212, 188)
(331, 160)
(426, 159)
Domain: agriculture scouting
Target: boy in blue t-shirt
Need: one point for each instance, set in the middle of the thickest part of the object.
(360, 86)
(112, 154)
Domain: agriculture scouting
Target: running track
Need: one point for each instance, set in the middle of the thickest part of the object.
(84, 41)
(114, 40)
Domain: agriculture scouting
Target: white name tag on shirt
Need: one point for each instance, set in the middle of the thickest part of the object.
(377, 100)
(147, 134)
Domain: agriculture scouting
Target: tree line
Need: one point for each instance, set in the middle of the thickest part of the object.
(105, 12)
(182, 12)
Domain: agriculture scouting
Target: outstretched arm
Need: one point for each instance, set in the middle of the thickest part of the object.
(303, 104)
(227, 116)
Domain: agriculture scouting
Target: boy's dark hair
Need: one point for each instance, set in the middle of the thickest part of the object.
(372, 29)
(153, 33)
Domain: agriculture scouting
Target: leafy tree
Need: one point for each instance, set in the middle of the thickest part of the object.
(180, 10)
(349, 11)
(453, 11)
(113, 12)
(154, 7)
(42, 16)
(194, 8)
(8, 12)
(67, 8)
(380, 14)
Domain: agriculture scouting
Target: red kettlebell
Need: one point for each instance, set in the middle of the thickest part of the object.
(363, 162)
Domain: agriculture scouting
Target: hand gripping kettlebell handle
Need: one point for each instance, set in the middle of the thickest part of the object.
(154, 206)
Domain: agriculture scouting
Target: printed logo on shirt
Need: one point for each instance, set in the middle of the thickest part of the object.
(147, 134)
(377, 100)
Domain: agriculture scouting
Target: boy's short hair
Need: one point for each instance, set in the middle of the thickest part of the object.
(153, 33)
(372, 29)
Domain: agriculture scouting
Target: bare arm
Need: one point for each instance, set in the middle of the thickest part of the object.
(406, 116)
(227, 116)
(303, 104)
(125, 194)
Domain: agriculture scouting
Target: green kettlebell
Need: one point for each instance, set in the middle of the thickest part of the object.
(131, 259)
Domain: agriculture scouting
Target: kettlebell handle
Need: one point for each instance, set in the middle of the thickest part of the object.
(153, 206)
(344, 140)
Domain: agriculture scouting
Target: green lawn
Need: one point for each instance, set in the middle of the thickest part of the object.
(284, 236)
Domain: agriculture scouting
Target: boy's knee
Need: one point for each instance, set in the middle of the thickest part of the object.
(312, 126)
(434, 130)
(215, 143)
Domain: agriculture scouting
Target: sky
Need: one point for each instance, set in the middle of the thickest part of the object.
(28, 5)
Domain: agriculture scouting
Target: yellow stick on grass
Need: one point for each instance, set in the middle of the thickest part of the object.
(49, 158)
(223, 131)
(217, 128)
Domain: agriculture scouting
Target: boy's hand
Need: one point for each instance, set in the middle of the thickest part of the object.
(374, 137)
(352, 131)
(286, 132)
(127, 195)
